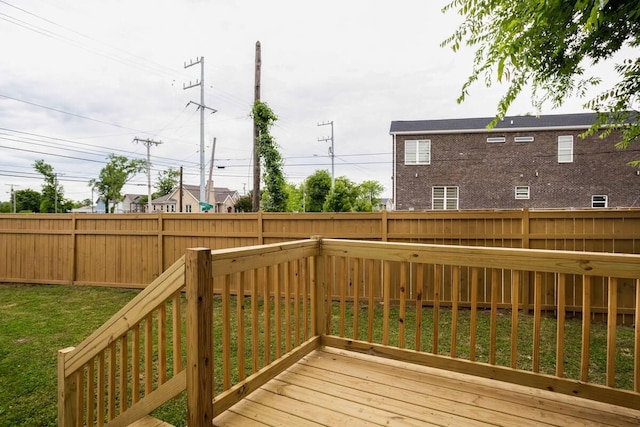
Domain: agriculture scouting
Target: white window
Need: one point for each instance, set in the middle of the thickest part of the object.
(444, 198)
(496, 139)
(522, 192)
(417, 152)
(600, 201)
(565, 149)
(187, 208)
(523, 139)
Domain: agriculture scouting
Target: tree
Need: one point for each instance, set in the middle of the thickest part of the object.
(167, 180)
(29, 201)
(295, 197)
(548, 45)
(118, 171)
(368, 196)
(342, 196)
(244, 203)
(274, 196)
(6, 207)
(52, 192)
(317, 187)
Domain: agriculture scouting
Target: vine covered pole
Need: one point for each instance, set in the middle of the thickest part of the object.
(256, 134)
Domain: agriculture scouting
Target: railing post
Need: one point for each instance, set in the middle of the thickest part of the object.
(318, 304)
(199, 283)
(67, 392)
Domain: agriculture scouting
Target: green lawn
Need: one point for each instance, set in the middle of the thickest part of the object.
(37, 321)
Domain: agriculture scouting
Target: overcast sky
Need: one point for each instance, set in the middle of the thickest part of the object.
(82, 79)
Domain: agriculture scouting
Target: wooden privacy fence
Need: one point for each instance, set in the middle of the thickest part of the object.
(132, 250)
(219, 348)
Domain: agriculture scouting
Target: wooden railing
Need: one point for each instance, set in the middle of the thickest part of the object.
(162, 342)
(275, 306)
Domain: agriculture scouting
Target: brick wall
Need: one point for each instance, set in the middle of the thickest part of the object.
(487, 173)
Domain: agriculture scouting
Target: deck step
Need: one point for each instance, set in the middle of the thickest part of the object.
(149, 421)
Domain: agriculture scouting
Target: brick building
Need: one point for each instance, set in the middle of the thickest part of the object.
(524, 162)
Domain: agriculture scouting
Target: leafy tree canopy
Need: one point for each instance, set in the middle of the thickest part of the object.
(244, 203)
(342, 196)
(118, 171)
(549, 45)
(367, 196)
(317, 187)
(52, 199)
(28, 200)
(167, 180)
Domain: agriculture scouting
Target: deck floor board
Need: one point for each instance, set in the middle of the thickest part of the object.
(334, 387)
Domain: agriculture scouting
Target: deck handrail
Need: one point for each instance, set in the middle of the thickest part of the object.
(302, 291)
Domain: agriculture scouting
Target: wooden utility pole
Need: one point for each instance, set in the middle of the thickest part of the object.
(256, 153)
(180, 190)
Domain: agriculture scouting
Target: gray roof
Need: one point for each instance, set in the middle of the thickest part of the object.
(514, 123)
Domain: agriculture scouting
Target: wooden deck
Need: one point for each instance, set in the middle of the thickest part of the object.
(336, 387)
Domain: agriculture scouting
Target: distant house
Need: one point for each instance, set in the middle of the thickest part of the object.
(524, 162)
(100, 206)
(132, 203)
(225, 200)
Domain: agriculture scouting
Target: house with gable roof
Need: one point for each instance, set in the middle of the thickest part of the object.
(225, 200)
(523, 162)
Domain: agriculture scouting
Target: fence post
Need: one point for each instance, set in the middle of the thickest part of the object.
(67, 392)
(199, 283)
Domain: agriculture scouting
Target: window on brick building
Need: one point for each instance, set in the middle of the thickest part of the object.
(417, 152)
(522, 192)
(444, 198)
(494, 139)
(599, 201)
(565, 149)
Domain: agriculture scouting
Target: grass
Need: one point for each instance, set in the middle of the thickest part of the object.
(37, 321)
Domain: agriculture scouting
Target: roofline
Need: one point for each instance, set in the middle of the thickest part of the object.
(493, 130)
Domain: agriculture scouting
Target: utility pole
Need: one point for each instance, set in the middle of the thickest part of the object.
(201, 107)
(55, 190)
(331, 151)
(147, 142)
(180, 192)
(13, 197)
(256, 152)
(210, 189)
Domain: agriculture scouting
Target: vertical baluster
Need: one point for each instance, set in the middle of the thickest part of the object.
(226, 332)
(419, 297)
(356, 297)
(515, 294)
(493, 328)
(612, 320)
(267, 315)
(91, 391)
(111, 394)
(403, 303)
(277, 304)
(455, 297)
(560, 317)
(306, 283)
(437, 283)
(176, 318)
(255, 360)
(586, 328)
(342, 282)
(79, 415)
(162, 343)
(474, 313)
(148, 354)
(240, 313)
(287, 306)
(135, 364)
(537, 321)
(101, 388)
(330, 281)
(297, 286)
(124, 371)
(387, 302)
